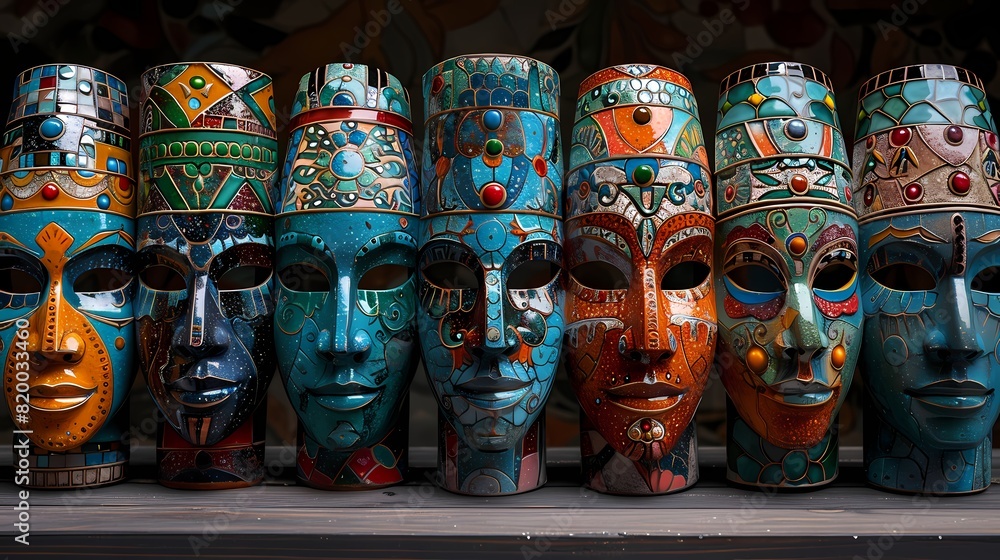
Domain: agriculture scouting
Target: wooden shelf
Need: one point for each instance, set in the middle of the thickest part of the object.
(418, 520)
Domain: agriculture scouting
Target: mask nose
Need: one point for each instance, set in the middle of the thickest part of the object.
(803, 337)
(952, 339)
(204, 330)
(641, 349)
(497, 337)
(651, 341)
(54, 329)
(355, 347)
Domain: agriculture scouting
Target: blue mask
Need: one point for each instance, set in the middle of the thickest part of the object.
(345, 326)
(490, 283)
(926, 158)
(203, 314)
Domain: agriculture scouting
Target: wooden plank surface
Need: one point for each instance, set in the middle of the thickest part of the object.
(419, 518)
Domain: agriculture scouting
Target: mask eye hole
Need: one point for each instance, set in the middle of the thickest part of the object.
(450, 275)
(904, 277)
(685, 275)
(101, 280)
(531, 275)
(303, 277)
(755, 278)
(14, 281)
(988, 280)
(162, 278)
(243, 277)
(385, 277)
(834, 277)
(599, 275)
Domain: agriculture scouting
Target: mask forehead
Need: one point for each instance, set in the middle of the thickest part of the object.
(203, 236)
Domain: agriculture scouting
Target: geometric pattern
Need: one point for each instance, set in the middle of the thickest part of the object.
(351, 85)
(923, 94)
(779, 140)
(926, 138)
(350, 146)
(201, 95)
(208, 140)
(74, 90)
(491, 81)
(636, 110)
(492, 137)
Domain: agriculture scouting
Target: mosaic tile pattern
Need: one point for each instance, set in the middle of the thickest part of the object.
(71, 90)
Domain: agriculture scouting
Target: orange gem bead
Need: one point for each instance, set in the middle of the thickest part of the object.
(839, 356)
(757, 359)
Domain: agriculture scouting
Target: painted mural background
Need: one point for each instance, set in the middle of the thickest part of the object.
(851, 40)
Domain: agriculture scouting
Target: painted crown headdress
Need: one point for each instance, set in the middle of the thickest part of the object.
(350, 145)
(67, 144)
(207, 140)
(779, 141)
(925, 139)
(481, 111)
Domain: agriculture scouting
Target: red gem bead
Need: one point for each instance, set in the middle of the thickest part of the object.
(870, 142)
(540, 166)
(869, 197)
(730, 193)
(991, 140)
(847, 193)
(493, 195)
(953, 135)
(959, 183)
(50, 191)
(799, 184)
(913, 191)
(899, 137)
(436, 84)
(646, 425)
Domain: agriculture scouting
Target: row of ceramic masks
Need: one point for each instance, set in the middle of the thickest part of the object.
(361, 268)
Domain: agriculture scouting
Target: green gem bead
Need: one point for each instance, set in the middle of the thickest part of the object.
(197, 82)
(494, 147)
(642, 175)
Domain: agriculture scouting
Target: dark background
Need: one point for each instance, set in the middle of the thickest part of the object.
(850, 40)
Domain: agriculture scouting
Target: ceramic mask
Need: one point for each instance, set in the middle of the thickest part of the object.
(345, 323)
(641, 314)
(66, 286)
(787, 274)
(207, 159)
(489, 268)
(927, 199)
